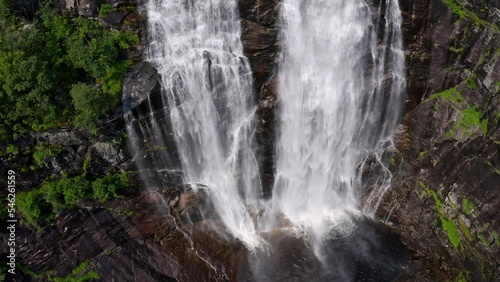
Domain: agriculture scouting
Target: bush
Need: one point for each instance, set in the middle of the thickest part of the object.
(42, 153)
(54, 196)
(28, 205)
(89, 104)
(105, 10)
(64, 193)
(106, 188)
(40, 63)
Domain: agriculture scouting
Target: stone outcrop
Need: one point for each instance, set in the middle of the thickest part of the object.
(446, 195)
(260, 43)
(446, 191)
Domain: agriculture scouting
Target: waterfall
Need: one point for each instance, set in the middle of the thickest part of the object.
(341, 94)
(341, 85)
(207, 93)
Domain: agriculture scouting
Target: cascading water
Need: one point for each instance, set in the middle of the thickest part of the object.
(341, 83)
(341, 93)
(207, 92)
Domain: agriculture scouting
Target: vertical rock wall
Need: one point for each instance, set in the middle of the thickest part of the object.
(446, 196)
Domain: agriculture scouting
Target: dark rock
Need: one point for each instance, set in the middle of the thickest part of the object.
(63, 137)
(139, 83)
(444, 193)
(260, 44)
(26, 9)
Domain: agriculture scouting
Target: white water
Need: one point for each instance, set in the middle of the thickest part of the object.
(208, 86)
(335, 107)
(340, 94)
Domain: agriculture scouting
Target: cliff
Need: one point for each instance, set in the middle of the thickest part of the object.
(444, 198)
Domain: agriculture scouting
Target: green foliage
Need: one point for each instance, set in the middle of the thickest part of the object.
(40, 205)
(434, 195)
(97, 50)
(456, 50)
(107, 187)
(41, 62)
(78, 274)
(5, 13)
(65, 192)
(461, 277)
(81, 273)
(496, 87)
(12, 149)
(468, 206)
(89, 104)
(86, 162)
(28, 203)
(42, 153)
(105, 10)
(462, 12)
(496, 238)
(446, 223)
(451, 231)
(484, 240)
(464, 229)
(471, 82)
(470, 118)
(451, 95)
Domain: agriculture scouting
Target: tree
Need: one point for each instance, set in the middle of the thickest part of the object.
(89, 104)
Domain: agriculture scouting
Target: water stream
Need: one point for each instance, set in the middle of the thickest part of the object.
(341, 94)
(341, 85)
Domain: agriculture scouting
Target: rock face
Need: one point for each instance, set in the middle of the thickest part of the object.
(446, 196)
(260, 42)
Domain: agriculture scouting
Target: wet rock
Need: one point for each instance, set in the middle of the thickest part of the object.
(63, 137)
(26, 9)
(260, 44)
(112, 153)
(443, 195)
(140, 82)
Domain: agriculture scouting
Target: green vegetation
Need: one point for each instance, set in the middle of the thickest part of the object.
(12, 149)
(39, 206)
(471, 82)
(464, 229)
(107, 187)
(105, 10)
(89, 104)
(451, 231)
(496, 87)
(461, 277)
(458, 9)
(456, 50)
(496, 237)
(78, 274)
(81, 273)
(41, 63)
(470, 118)
(484, 240)
(446, 223)
(468, 206)
(433, 194)
(41, 153)
(452, 95)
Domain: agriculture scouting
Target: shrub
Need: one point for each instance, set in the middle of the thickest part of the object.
(39, 64)
(106, 188)
(105, 10)
(89, 104)
(53, 196)
(28, 204)
(41, 154)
